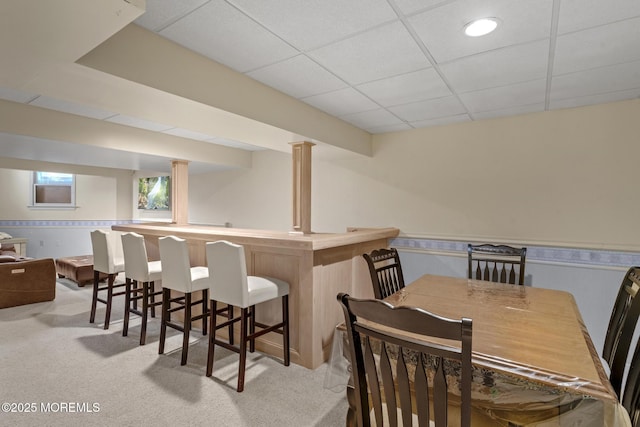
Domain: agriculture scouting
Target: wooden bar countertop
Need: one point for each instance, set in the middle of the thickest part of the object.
(313, 241)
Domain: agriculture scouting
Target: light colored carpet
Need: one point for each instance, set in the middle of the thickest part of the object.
(58, 365)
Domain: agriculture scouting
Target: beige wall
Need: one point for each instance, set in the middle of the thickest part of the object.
(564, 178)
(101, 194)
(259, 197)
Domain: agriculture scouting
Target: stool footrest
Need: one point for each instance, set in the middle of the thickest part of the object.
(227, 345)
(268, 328)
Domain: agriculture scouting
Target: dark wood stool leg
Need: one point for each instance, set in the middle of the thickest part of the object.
(212, 337)
(127, 304)
(205, 298)
(107, 317)
(145, 309)
(135, 302)
(243, 348)
(152, 296)
(94, 300)
(285, 330)
(229, 317)
(187, 327)
(166, 296)
(252, 328)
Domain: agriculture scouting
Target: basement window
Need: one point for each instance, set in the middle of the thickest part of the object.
(53, 190)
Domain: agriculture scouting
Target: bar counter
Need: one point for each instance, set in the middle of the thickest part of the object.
(317, 267)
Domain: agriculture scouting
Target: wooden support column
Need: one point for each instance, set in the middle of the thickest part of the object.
(179, 191)
(302, 187)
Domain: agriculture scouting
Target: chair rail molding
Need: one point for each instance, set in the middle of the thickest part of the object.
(542, 254)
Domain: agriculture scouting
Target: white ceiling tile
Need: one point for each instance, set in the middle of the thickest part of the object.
(596, 47)
(596, 82)
(448, 120)
(514, 111)
(594, 99)
(299, 77)
(375, 54)
(16, 95)
(235, 144)
(441, 29)
(313, 23)
(70, 107)
(160, 13)
(503, 97)
(383, 52)
(186, 133)
(580, 14)
(498, 67)
(412, 6)
(431, 109)
(597, 60)
(389, 128)
(406, 88)
(220, 32)
(342, 102)
(138, 123)
(373, 119)
(25, 147)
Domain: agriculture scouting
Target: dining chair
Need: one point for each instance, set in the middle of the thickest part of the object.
(496, 263)
(385, 271)
(383, 386)
(631, 397)
(105, 261)
(179, 276)
(140, 277)
(231, 285)
(622, 324)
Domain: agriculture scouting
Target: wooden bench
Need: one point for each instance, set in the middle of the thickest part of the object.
(77, 268)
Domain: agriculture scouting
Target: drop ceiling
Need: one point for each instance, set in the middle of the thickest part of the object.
(392, 65)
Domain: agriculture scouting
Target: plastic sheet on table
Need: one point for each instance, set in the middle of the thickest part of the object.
(338, 372)
(508, 396)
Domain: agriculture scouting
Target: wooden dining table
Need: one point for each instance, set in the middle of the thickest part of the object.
(533, 359)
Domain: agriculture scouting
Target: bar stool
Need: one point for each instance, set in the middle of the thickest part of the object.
(104, 261)
(143, 273)
(178, 275)
(231, 285)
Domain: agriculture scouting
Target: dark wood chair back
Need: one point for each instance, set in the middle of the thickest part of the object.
(622, 325)
(386, 272)
(496, 263)
(368, 322)
(631, 397)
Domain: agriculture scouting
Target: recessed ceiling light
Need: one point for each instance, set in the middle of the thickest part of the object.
(480, 27)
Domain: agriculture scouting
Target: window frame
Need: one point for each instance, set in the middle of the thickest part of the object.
(36, 181)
